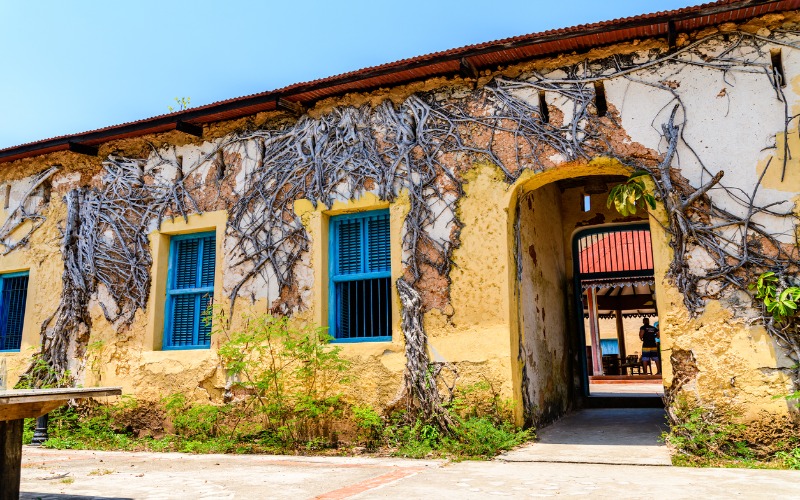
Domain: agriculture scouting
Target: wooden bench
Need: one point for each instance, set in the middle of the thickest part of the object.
(18, 404)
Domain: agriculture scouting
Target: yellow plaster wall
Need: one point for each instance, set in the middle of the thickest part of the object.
(42, 259)
(736, 362)
(376, 367)
(476, 336)
(132, 357)
(543, 305)
(738, 365)
(783, 170)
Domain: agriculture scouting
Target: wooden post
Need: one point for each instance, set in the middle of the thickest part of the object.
(620, 336)
(10, 458)
(594, 329)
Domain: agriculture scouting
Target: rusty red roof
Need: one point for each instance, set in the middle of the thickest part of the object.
(617, 252)
(488, 55)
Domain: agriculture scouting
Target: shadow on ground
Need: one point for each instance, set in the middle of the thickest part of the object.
(31, 495)
(629, 436)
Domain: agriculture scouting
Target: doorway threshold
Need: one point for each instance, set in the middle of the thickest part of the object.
(622, 402)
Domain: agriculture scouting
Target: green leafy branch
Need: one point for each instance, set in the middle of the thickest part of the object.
(781, 304)
(183, 103)
(631, 195)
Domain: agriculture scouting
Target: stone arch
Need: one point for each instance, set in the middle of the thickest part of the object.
(540, 289)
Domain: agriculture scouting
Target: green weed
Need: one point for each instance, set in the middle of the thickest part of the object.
(288, 383)
(701, 432)
(790, 459)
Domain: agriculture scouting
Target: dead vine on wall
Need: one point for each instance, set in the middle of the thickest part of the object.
(423, 146)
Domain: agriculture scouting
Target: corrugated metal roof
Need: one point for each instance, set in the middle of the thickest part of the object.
(484, 55)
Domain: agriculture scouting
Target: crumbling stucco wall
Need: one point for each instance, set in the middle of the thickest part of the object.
(546, 339)
(731, 124)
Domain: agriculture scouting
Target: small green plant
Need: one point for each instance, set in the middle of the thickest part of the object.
(196, 421)
(292, 374)
(182, 102)
(706, 433)
(369, 423)
(479, 437)
(94, 352)
(781, 304)
(43, 376)
(631, 195)
(790, 459)
(483, 427)
(100, 472)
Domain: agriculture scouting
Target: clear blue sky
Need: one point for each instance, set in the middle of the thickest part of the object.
(76, 65)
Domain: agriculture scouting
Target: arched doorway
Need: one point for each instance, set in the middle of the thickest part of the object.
(614, 286)
(550, 344)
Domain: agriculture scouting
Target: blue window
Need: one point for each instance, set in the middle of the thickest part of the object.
(360, 274)
(13, 294)
(190, 290)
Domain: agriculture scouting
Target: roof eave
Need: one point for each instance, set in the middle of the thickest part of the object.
(441, 64)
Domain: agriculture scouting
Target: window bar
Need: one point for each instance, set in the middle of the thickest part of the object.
(625, 251)
(357, 329)
(364, 310)
(380, 310)
(633, 258)
(388, 302)
(344, 319)
(363, 295)
(347, 319)
(585, 246)
(616, 261)
(371, 319)
(638, 240)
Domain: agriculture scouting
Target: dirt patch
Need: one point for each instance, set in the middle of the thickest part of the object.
(771, 433)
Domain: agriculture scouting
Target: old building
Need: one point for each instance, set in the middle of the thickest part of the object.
(479, 176)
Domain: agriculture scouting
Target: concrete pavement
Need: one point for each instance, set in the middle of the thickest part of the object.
(622, 436)
(85, 475)
(603, 453)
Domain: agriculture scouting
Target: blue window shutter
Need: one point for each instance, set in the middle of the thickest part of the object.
(208, 261)
(12, 311)
(349, 246)
(343, 309)
(190, 291)
(204, 327)
(379, 255)
(360, 267)
(183, 318)
(186, 263)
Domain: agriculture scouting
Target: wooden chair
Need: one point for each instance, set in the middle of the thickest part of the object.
(632, 362)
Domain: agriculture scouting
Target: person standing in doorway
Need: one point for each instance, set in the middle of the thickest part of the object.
(649, 335)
